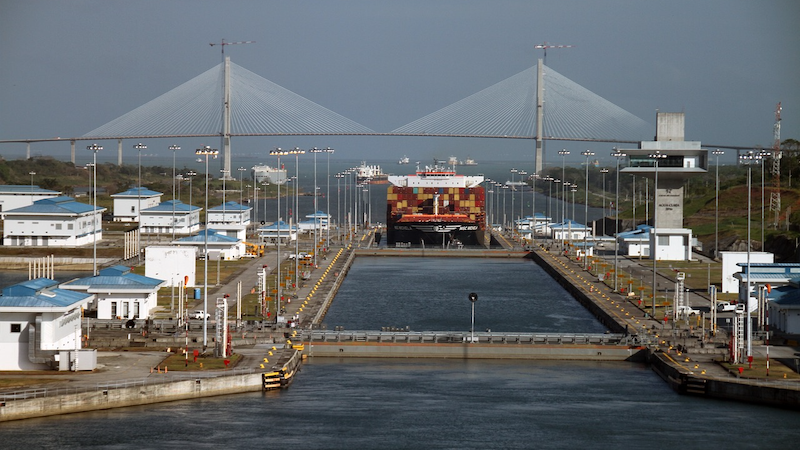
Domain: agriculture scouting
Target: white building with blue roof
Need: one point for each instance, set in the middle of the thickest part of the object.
(279, 230)
(13, 196)
(126, 203)
(220, 245)
(784, 308)
(40, 325)
(230, 218)
(161, 218)
(119, 293)
(569, 230)
(53, 222)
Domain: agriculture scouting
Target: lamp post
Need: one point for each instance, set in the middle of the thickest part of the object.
(513, 188)
(763, 155)
(618, 155)
(225, 175)
(139, 147)
(604, 171)
(241, 190)
(206, 151)
(748, 159)
(473, 297)
(587, 154)
(32, 173)
(716, 153)
(563, 153)
(94, 148)
(297, 152)
(279, 152)
(505, 190)
(338, 177)
(315, 150)
(522, 174)
(656, 156)
(328, 150)
(174, 149)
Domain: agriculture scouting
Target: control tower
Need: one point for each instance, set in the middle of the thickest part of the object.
(673, 160)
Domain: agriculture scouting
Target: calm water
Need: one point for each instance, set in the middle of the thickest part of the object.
(409, 403)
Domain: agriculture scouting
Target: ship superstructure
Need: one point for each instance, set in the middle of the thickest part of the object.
(370, 173)
(269, 174)
(435, 206)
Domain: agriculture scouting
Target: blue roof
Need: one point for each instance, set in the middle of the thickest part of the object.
(167, 207)
(56, 205)
(40, 293)
(117, 277)
(274, 227)
(213, 237)
(230, 206)
(137, 192)
(785, 296)
(317, 214)
(641, 231)
(25, 189)
(568, 224)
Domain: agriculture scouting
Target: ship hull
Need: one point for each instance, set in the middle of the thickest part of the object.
(435, 216)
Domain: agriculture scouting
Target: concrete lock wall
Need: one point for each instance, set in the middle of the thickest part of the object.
(129, 396)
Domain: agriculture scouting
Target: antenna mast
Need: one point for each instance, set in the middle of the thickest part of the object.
(775, 195)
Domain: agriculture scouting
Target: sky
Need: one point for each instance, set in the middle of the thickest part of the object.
(68, 67)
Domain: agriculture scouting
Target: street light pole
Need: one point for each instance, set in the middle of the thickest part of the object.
(604, 171)
(297, 152)
(328, 150)
(656, 156)
(206, 151)
(174, 149)
(716, 153)
(139, 147)
(563, 153)
(241, 192)
(587, 154)
(94, 148)
(279, 152)
(763, 155)
(749, 158)
(618, 155)
(473, 297)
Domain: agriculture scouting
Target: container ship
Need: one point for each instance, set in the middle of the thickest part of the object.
(436, 207)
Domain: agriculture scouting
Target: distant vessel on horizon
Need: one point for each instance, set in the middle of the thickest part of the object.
(269, 174)
(372, 174)
(404, 160)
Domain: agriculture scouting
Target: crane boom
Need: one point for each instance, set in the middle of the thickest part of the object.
(545, 46)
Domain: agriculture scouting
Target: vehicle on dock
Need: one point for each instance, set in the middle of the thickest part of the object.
(199, 315)
(684, 311)
(726, 307)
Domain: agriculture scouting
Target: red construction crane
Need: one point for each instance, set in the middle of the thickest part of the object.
(223, 44)
(545, 46)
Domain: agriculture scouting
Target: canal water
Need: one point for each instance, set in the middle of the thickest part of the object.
(448, 404)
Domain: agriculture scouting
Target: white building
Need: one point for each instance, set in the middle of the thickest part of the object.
(220, 246)
(119, 294)
(730, 267)
(635, 243)
(172, 263)
(279, 230)
(126, 203)
(570, 230)
(159, 219)
(13, 196)
(784, 308)
(231, 219)
(53, 222)
(674, 244)
(40, 326)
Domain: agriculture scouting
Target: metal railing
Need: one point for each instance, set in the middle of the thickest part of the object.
(435, 337)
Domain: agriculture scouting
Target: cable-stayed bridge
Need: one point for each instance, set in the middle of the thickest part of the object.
(228, 101)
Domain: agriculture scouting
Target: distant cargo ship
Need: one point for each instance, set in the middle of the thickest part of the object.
(269, 174)
(404, 160)
(453, 161)
(370, 174)
(436, 207)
